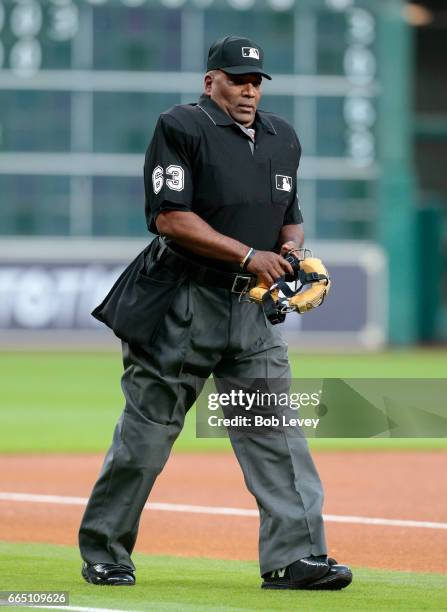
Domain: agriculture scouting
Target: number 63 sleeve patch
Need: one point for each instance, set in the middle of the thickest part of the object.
(174, 176)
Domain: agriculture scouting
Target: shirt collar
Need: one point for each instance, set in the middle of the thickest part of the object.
(219, 117)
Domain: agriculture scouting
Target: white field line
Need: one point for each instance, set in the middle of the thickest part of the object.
(219, 510)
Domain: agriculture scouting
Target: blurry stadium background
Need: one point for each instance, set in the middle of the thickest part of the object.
(82, 83)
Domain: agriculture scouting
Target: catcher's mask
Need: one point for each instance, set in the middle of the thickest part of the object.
(280, 299)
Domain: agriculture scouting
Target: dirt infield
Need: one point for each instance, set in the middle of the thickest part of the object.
(390, 485)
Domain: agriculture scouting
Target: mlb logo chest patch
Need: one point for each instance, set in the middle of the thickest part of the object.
(250, 52)
(283, 183)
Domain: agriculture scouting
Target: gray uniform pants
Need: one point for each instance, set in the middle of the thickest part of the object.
(206, 330)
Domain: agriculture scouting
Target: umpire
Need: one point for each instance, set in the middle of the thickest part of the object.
(220, 183)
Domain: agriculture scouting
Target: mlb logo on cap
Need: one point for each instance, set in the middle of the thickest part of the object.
(250, 52)
(236, 55)
(283, 183)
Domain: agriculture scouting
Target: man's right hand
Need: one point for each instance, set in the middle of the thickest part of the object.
(268, 267)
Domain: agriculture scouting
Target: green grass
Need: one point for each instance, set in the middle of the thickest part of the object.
(69, 402)
(199, 585)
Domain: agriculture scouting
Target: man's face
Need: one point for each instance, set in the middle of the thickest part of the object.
(238, 95)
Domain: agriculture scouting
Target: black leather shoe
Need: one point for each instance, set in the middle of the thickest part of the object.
(338, 577)
(298, 574)
(108, 574)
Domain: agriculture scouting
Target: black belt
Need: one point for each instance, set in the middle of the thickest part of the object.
(203, 275)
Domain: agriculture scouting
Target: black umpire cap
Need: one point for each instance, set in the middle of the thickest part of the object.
(236, 55)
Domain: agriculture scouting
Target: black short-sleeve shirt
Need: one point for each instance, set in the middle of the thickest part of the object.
(200, 160)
